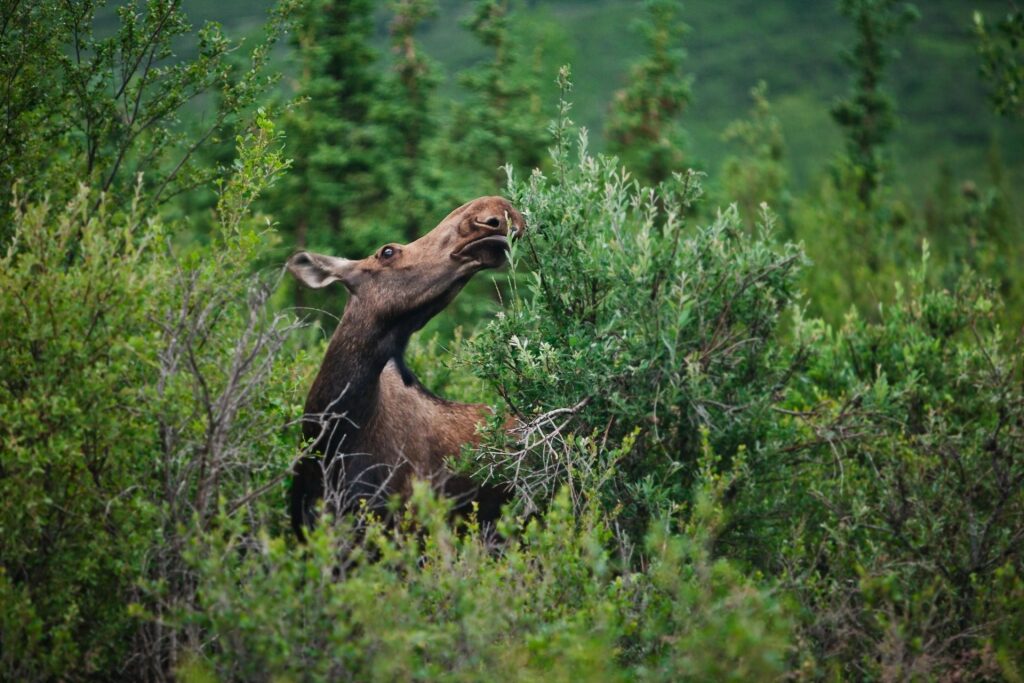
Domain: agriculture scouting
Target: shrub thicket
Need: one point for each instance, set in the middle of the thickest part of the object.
(719, 476)
(74, 352)
(904, 499)
(141, 388)
(422, 602)
(635, 332)
(881, 463)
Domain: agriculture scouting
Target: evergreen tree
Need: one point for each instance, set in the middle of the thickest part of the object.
(502, 120)
(1002, 61)
(406, 113)
(330, 133)
(867, 114)
(757, 174)
(643, 125)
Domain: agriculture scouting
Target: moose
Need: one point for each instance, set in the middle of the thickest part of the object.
(375, 425)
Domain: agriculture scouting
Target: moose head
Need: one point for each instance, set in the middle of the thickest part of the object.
(411, 283)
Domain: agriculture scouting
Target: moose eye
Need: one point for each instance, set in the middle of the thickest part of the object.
(387, 252)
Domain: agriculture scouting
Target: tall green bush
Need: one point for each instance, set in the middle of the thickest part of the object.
(107, 449)
(76, 348)
(898, 511)
(633, 330)
(141, 387)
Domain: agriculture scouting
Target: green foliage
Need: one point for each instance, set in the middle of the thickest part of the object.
(329, 131)
(102, 111)
(860, 254)
(501, 122)
(643, 124)
(866, 114)
(975, 228)
(423, 602)
(630, 320)
(723, 626)
(707, 490)
(1002, 61)
(736, 44)
(73, 354)
(220, 394)
(407, 111)
(857, 253)
(439, 363)
(876, 467)
(757, 174)
(901, 506)
(406, 605)
(90, 496)
(140, 385)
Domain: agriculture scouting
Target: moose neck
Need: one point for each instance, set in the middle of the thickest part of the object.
(349, 379)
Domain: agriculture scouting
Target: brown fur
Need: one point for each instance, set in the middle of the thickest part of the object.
(365, 405)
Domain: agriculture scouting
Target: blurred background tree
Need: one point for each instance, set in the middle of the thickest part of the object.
(1002, 65)
(643, 124)
(756, 173)
(501, 119)
(866, 115)
(331, 133)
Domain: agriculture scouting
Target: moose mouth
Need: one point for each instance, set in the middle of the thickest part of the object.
(488, 251)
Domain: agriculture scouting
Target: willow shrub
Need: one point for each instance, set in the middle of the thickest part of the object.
(419, 601)
(73, 309)
(140, 387)
(630, 331)
(882, 474)
(899, 513)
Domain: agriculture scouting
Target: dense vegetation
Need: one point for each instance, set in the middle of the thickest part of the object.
(767, 429)
(794, 45)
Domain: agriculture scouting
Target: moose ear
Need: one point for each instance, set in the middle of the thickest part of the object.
(317, 270)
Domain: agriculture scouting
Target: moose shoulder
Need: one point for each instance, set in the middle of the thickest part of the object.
(376, 427)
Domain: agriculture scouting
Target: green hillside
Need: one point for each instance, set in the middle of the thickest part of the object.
(793, 45)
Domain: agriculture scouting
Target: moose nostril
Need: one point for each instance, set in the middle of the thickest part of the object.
(493, 221)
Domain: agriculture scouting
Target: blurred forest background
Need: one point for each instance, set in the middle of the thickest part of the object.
(762, 338)
(943, 146)
(794, 46)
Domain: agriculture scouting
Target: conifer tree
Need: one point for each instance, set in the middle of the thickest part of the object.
(867, 113)
(1002, 61)
(757, 174)
(406, 113)
(502, 120)
(643, 126)
(330, 134)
